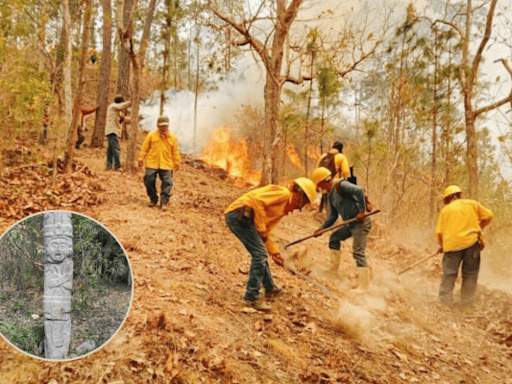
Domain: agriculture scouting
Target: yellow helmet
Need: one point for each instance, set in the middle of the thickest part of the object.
(450, 190)
(320, 174)
(307, 186)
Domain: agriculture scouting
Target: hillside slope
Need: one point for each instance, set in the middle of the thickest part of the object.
(187, 324)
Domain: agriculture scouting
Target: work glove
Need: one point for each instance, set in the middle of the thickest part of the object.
(278, 259)
(141, 163)
(440, 249)
(360, 217)
(318, 232)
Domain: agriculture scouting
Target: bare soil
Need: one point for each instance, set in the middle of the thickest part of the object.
(98, 321)
(187, 324)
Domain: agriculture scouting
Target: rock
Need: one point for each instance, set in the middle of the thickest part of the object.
(87, 346)
(268, 318)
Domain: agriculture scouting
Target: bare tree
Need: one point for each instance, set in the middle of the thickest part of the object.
(71, 137)
(468, 73)
(98, 134)
(137, 60)
(270, 47)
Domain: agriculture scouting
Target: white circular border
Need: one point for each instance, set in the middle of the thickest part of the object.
(131, 300)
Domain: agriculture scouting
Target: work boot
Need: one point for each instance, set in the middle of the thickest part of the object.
(364, 278)
(335, 255)
(151, 204)
(257, 305)
(275, 291)
(165, 208)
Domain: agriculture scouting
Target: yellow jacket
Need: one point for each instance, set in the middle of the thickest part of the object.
(160, 152)
(341, 163)
(459, 224)
(268, 204)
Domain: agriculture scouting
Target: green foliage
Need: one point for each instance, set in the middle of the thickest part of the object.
(23, 336)
(16, 304)
(5, 296)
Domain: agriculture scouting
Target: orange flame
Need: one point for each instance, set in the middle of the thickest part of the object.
(222, 151)
(293, 156)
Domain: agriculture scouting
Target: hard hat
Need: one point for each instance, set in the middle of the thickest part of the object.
(307, 186)
(320, 174)
(450, 190)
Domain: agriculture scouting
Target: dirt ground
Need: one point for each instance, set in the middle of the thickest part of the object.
(187, 324)
(98, 321)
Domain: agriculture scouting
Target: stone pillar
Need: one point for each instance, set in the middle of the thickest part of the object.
(58, 281)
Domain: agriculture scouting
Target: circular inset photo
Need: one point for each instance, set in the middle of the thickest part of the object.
(66, 285)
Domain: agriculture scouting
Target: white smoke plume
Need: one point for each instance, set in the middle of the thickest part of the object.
(214, 108)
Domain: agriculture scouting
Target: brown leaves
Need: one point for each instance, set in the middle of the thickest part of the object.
(30, 188)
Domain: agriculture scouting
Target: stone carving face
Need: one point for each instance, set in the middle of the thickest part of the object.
(59, 249)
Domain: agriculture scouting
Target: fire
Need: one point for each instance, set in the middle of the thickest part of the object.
(222, 151)
(293, 156)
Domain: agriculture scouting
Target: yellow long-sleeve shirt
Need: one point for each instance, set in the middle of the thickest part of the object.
(341, 163)
(459, 224)
(160, 152)
(269, 204)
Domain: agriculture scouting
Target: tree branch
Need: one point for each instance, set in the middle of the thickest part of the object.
(483, 43)
(22, 252)
(453, 25)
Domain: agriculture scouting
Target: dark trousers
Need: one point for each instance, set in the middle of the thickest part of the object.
(259, 273)
(150, 183)
(81, 137)
(470, 259)
(113, 151)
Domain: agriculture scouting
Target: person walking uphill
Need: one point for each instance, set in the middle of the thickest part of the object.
(459, 233)
(161, 153)
(113, 131)
(336, 162)
(348, 201)
(252, 217)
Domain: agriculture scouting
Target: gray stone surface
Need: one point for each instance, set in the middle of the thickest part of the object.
(87, 346)
(58, 281)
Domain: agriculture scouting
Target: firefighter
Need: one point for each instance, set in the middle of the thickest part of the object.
(252, 217)
(348, 201)
(336, 162)
(459, 233)
(161, 153)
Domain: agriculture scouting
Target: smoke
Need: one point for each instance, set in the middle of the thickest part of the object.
(354, 320)
(214, 108)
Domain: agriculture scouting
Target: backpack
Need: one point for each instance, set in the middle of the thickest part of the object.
(329, 162)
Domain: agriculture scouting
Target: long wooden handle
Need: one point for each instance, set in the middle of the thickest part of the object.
(312, 281)
(328, 229)
(418, 262)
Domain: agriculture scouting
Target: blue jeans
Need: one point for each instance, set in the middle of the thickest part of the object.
(470, 259)
(113, 151)
(260, 270)
(150, 183)
(359, 232)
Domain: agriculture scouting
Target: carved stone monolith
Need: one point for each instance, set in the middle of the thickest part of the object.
(58, 281)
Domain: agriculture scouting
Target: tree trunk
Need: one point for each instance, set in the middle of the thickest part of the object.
(71, 137)
(67, 64)
(472, 153)
(433, 177)
(272, 94)
(123, 74)
(137, 61)
(98, 135)
(196, 92)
